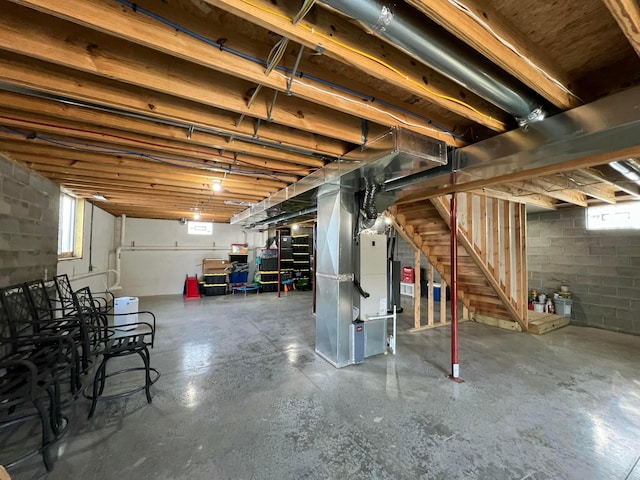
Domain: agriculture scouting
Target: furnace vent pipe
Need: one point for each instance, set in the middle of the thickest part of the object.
(432, 45)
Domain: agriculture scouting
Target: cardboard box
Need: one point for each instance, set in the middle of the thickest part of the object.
(215, 265)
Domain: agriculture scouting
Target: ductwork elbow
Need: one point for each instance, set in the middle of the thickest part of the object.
(369, 202)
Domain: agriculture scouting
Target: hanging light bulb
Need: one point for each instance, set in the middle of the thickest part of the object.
(196, 216)
(217, 185)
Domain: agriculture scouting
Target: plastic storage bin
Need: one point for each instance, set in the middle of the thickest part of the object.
(215, 289)
(563, 306)
(126, 310)
(238, 277)
(211, 278)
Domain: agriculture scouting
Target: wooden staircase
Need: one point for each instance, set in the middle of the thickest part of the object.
(491, 250)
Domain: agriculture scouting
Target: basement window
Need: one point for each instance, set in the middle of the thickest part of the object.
(70, 225)
(622, 216)
(200, 228)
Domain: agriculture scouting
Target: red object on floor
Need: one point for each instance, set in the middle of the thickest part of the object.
(408, 275)
(191, 288)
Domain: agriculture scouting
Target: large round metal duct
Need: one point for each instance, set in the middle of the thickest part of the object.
(440, 50)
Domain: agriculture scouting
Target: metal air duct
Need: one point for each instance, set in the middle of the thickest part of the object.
(432, 45)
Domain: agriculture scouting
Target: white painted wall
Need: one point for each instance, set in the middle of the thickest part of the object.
(158, 254)
(102, 256)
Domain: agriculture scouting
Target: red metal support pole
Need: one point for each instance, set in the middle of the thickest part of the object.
(279, 237)
(455, 366)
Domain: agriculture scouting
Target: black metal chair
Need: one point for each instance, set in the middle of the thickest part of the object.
(22, 385)
(114, 344)
(104, 301)
(26, 328)
(31, 366)
(49, 317)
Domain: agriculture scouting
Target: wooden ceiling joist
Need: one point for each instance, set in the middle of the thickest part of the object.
(96, 186)
(83, 87)
(135, 27)
(484, 29)
(536, 185)
(46, 153)
(336, 37)
(627, 14)
(572, 181)
(88, 51)
(168, 175)
(501, 193)
(67, 148)
(123, 142)
(614, 179)
(246, 152)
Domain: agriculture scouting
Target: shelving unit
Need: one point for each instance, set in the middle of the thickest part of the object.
(268, 268)
(301, 246)
(239, 258)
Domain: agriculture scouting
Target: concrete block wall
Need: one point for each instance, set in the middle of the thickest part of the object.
(602, 268)
(406, 256)
(29, 205)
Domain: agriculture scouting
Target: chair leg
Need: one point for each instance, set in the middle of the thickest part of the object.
(55, 410)
(147, 385)
(103, 375)
(46, 435)
(99, 377)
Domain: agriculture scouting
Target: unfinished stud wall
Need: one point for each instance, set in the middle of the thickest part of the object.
(29, 205)
(602, 268)
(406, 256)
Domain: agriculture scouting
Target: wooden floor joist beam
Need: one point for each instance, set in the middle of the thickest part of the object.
(26, 31)
(484, 29)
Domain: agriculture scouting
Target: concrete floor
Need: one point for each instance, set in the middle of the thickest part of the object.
(244, 396)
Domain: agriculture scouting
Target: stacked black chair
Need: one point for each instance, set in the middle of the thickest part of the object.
(29, 334)
(31, 367)
(114, 343)
(103, 301)
(50, 335)
(53, 313)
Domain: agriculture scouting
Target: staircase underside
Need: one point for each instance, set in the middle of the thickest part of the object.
(425, 225)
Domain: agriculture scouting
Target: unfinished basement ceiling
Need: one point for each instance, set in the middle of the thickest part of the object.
(152, 104)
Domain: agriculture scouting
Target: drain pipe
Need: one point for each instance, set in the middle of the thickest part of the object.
(117, 285)
(432, 45)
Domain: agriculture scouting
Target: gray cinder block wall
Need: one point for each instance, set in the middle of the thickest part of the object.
(406, 256)
(29, 205)
(602, 268)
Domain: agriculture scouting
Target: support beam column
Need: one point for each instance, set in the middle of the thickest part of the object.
(334, 276)
(455, 366)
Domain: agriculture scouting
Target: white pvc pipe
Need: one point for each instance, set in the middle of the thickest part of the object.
(183, 248)
(117, 286)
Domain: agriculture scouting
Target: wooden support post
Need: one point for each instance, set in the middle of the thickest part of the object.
(416, 291)
(430, 303)
(524, 268)
(483, 229)
(495, 218)
(517, 225)
(465, 312)
(443, 301)
(506, 232)
(469, 198)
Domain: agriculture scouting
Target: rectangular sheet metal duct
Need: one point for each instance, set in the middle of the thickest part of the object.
(393, 155)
